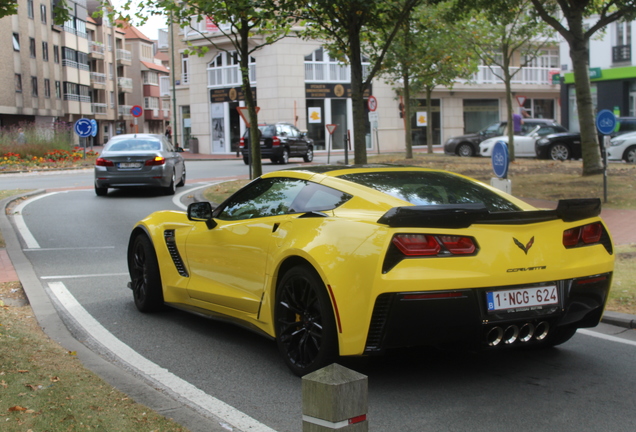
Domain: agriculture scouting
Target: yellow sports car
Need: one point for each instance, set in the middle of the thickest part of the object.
(350, 261)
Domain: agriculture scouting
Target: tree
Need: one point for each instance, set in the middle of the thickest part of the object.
(568, 18)
(353, 29)
(61, 12)
(245, 26)
(497, 36)
(425, 55)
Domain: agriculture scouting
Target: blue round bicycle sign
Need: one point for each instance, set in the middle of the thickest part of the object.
(605, 122)
(500, 159)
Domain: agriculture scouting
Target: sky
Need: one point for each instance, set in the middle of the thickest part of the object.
(151, 27)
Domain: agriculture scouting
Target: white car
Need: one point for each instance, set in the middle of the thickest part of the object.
(623, 147)
(524, 144)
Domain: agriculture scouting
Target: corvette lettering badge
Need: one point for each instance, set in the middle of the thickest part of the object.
(525, 248)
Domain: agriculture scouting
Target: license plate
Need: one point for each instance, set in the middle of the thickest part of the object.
(522, 298)
(129, 165)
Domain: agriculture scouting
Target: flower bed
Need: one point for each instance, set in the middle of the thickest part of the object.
(13, 161)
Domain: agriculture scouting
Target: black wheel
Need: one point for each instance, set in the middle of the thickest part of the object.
(465, 150)
(559, 151)
(284, 157)
(101, 191)
(144, 275)
(630, 155)
(246, 160)
(309, 156)
(304, 321)
(183, 178)
(172, 187)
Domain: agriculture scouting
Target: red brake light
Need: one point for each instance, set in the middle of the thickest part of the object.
(458, 245)
(588, 234)
(104, 162)
(158, 160)
(275, 141)
(416, 244)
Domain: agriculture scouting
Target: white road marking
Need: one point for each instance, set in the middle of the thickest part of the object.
(82, 276)
(176, 200)
(606, 337)
(69, 248)
(184, 389)
(28, 238)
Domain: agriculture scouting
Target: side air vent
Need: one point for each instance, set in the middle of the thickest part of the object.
(168, 235)
(378, 320)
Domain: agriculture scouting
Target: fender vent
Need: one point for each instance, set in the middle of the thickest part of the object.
(171, 244)
(378, 321)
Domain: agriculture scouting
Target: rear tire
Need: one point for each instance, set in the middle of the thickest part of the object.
(559, 151)
(304, 321)
(145, 276)
(465, 150)
(630, 155)
(246, 160)
(171, 188)
(284, 157)
(183, 178)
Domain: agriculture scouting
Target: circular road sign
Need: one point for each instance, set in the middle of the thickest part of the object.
(605, 122)
(500, 159)
(136, 111)
(83, 127)
(93, 127)
(372, 103)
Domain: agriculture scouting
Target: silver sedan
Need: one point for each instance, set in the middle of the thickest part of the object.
(139, 160)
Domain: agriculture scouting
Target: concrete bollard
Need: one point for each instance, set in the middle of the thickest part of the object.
(335, 398)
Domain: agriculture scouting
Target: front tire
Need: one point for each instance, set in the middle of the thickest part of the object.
(145, 276)
(465, 150)
(304, 321)
(559, 151)
(309, 156)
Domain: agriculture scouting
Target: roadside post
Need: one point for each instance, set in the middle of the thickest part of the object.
(93, 134)
(335, 398)
(372, 104)
(83, 128)
(500, 162)
(605, 124)
(347, 140)
(136, 112)
(331, 128)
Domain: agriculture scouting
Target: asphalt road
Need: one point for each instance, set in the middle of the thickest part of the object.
(77, 248)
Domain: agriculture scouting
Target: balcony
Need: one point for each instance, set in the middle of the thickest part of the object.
(123, 57)
(124, 111)
(100, 109)
(125, 84)
(622, 54)
(98, 80)
(96, 50)
(527, 75)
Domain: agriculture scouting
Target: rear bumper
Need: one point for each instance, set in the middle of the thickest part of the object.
(266, 153)
(156, 177)
(462, 317)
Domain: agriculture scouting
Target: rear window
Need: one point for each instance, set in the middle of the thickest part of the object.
(431, 188)
(133, 145)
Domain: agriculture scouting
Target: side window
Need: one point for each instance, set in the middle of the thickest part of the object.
(315, 197)
(263, 198)
(293, 132)
(284, 130)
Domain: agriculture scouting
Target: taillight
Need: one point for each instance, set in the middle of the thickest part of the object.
(583, 235)
(157, 160)
(275, 141)
(242, 143)
(433, 245)
(104, 162)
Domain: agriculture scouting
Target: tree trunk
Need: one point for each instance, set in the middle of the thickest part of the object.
(429, 119)
(255, 135)
(408, 137)
(591, 153)
(357, 99)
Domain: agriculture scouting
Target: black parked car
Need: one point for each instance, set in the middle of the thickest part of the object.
(468, 145)
(279, 142)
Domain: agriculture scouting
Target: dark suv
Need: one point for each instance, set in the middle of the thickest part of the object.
(468, 145)
(279, 142)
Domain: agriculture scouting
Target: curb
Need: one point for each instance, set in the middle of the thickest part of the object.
(619, 319)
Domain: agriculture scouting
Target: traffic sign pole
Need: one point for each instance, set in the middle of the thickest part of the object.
(605, 124)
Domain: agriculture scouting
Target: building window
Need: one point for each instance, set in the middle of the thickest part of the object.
(71, 91)
(146, 52)
(479, 113)
(151, 77)
(185, 66)
(320, 66)
(112, 99)
(32, 47)
(18, 83)
(30, 8)
(224, 70)
(16, 42)
(56, 53)
(151, 103)
(43, 13)
(58, 90)
(47, 88)
(45, 51)
(85, 93)
(34, 86)
(80, 28)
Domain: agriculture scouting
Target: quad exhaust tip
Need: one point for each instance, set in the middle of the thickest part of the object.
(514, 333)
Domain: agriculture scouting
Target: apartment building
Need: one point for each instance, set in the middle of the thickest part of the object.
(84, 68)
(612, 74)
(297, 81)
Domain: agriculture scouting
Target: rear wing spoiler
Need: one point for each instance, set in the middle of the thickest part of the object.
(464, 215)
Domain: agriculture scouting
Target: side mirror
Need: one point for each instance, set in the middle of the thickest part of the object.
(201, 212)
